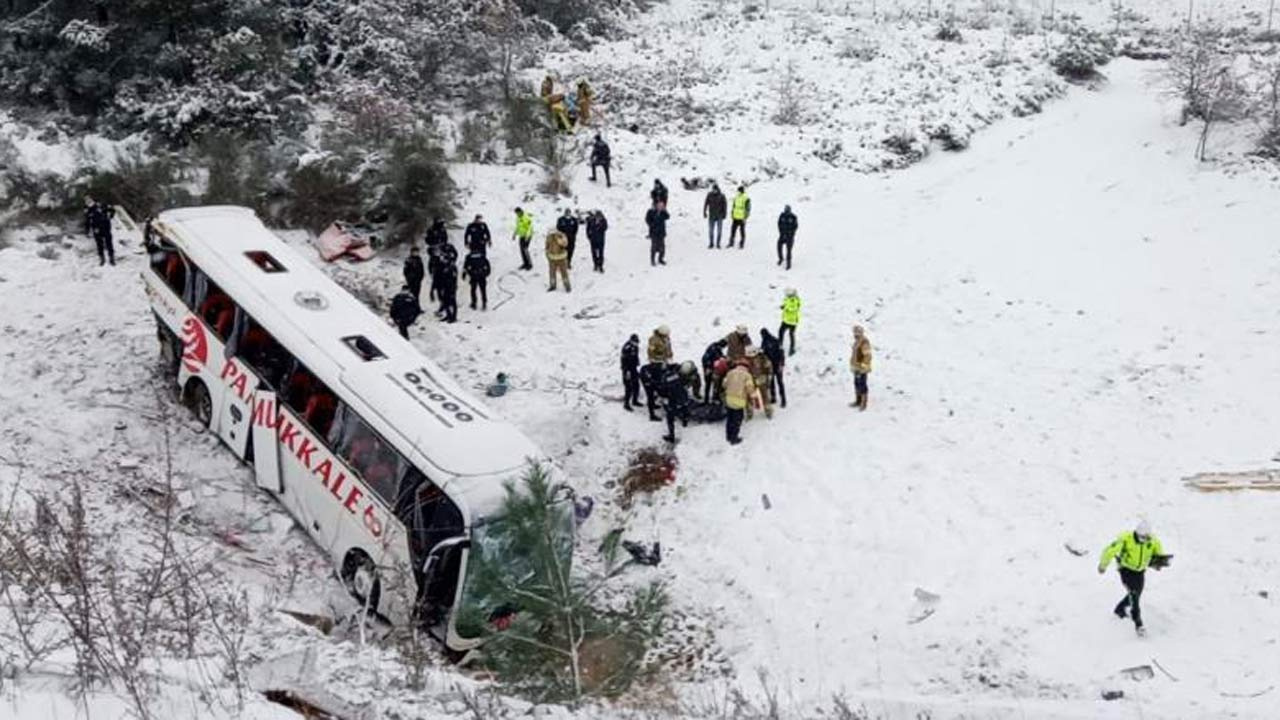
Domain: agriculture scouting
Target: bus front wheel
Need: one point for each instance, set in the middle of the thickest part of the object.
(200, 403)
(360, 576)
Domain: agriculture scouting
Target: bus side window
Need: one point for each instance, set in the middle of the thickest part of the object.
(377, 463)
(266, 356)
(213, 306)
(169, 264)
(311, 399)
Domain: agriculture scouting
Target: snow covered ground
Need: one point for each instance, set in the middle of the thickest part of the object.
(1069, 318)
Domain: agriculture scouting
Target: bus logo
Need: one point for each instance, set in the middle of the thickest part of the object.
(195, 345)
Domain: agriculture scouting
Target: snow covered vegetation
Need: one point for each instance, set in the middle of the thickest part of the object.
(1051, 221)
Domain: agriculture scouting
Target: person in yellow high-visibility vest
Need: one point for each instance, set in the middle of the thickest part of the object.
(741, 210)
(524, 235)
(1134, 552)
(790, 318)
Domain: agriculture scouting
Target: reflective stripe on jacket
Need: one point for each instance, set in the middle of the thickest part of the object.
(741, 206)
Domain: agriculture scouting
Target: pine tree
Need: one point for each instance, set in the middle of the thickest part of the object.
(551, 633)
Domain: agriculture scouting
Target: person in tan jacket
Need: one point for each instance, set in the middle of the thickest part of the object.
(737, 342)
(761, 370)
(660, 345)
(860, 364)
(558, 259)
(738, 389)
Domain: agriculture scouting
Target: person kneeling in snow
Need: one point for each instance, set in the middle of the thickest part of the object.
(1133, 551)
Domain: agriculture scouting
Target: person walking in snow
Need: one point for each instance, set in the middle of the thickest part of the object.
(404, 311)
(737, 342)
(568, 224)
(660, 345)
(558, 259)
(860, 365)
(631, 372)
(524, 234)
(714, 208)
(713, 353)
(790, 318)
(658, 195)
(414, 273)
(476, 237)
(787, 225)
(656, 218)
(772, 349)
(741, 211)
(601, 158)
(597, 225)
(476, 269)
(1134, 551)
(738, 389)
(97, 225)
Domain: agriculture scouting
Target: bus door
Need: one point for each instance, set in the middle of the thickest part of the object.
(266, 441)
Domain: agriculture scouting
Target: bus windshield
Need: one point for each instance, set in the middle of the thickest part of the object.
(505, 559)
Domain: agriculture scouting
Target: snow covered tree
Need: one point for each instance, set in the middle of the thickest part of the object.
(555, 634)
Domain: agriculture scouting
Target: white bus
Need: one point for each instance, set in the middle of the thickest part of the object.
(393, 470)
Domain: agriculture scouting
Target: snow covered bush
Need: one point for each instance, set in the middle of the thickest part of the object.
(319, 191)
(144, 185)
(1083, 53)
(417, 187)
(949, 33)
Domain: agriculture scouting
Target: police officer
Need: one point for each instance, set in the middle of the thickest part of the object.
(568, 224)
(413, 273)
(787, 225)
(476, 237)
(97, 224)
(524, 234)
(596, 227)
(714, 352)
(404, 310)
(741, 211)
(437, 234)
(675, 394)
(650, 379)
(631, 372)
(447, 284)
(1134, 552)
(476, 268)
(772, 349)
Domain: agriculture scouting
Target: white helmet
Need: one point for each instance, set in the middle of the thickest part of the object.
(791, 292)
(687, 367)
(741, 330)
(663, 330)
(753, 351)
(1144, 528)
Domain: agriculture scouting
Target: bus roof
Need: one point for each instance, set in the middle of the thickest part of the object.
(403, 393)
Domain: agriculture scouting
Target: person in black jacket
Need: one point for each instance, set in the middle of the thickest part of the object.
(596, 227)
(650, 379)
(772, 349)
(97, 224)
(477, 238)
(658, 194)
(437, 234)
(600, 157)
(787, 225)
(404, 310)
(714, 209)
(447, 290)
(433, 268)
(675, 393)
(476, 269)
(568, 224)
(413, 273)
(714, 352)
(631, 372)
(656, 219)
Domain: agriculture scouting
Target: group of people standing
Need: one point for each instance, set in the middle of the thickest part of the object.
(562, 243)
(442, 267)
(716, 208)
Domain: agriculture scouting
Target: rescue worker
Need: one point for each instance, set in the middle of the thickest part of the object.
(476, 237)
(736, 343)
(597, 225)
(568, 224)
(650, 378)
(714, 352)
(476, 268)
(631, 372)
(656, 218)
(447, 284)
(1133, 551)
(404, 311)
(414, 273)
(558, 259)
(660, 345)
(548, 86)
(738, 388)
(586, 97)
(741, 211)
(761, 373)
(674, 391)
(772, 349)
(658, 195)
(714, 208)
(860, 364)
(524, 234)
(787, 225)
(790, 318)
(97, 225)
(600, 157)
(433, 268)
